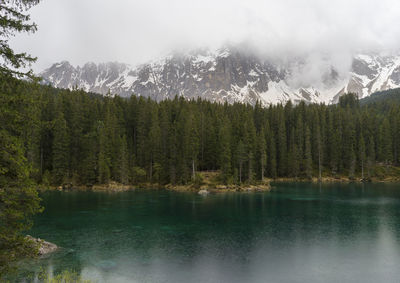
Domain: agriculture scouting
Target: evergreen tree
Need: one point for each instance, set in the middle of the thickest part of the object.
(250, 141)
(193, 143)
(225, 152)
(123, 170)
(103, 160)
(281, 144)
(19, 200)
(319, 150)
(89, 164)
(361, 148)
(262, 152)
(241, 158)
(173, 154)
(371, 156)
(13, 19)
(154, 145)
(272, 159)
(385, 142)
(307, 161)
(293, 156)
(60, 149)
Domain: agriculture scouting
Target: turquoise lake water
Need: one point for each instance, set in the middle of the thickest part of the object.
(295, 233)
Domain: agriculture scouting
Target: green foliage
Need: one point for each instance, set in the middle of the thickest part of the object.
(13, 19)
(307, 160)
(225, 152)
(198, 179)
(90, 139)
(60, 149)
(139, 174)
(349, 101)
(18, 198)
(67, 276)
(382, 98)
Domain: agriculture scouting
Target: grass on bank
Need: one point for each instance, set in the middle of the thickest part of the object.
(211, 180)
(67, 276)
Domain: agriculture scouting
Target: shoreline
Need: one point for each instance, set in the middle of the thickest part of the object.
(211, 188)
(341, 179)
(209, 182)
(117, 187)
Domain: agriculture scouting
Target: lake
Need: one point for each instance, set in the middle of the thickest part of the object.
(295, 233)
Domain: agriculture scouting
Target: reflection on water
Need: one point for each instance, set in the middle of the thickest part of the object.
(296, 233)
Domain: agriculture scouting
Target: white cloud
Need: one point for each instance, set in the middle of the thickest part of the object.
(136, 31)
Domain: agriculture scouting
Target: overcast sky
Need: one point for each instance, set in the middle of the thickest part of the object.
(136, 31)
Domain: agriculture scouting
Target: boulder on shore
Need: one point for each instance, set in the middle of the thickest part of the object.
(43, 246)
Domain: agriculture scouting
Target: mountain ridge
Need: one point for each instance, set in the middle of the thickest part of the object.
(228, 75)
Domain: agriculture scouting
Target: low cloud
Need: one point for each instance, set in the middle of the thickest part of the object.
(137, 31)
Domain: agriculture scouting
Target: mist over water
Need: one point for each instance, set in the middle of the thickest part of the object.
(296, 233)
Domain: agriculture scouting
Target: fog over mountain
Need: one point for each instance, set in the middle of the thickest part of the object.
(229, 75)
(309, 36)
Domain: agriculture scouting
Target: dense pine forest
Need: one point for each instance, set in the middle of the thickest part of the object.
(84, 139)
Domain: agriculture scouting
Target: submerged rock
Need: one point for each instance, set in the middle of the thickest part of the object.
(203, 192)
(43, 246)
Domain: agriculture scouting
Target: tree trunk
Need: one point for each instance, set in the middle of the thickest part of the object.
(240, 172)
(202, 142)
(362, 169)
(193, 171)
(151, 171)
(41, 160)
(250, 171)
(319, 165)
(262, 172)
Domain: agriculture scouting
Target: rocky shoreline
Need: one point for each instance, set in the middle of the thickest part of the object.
(211, 185)
(43, 247)
(206, 189)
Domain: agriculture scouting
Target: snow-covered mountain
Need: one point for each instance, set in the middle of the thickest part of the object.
(230, 75)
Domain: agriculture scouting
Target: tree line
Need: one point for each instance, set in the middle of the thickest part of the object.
(86, 139)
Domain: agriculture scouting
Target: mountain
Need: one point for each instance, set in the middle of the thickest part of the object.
(230, 75)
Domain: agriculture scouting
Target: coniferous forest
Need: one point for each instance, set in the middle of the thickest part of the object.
(84, 139)
(233, 227)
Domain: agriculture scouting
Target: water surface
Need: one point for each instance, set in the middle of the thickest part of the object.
(295, 233)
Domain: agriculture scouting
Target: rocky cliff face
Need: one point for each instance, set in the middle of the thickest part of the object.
(372, 73)
(228, 75)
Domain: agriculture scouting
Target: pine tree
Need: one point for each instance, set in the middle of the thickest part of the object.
(250, 140)
(154, 146)
(371, 156)
(307, 154)
(352, 166)
(123, 169)
(319, 151)
(193, 143)
(262, 152)
(361, 149)
(15, 20)
(241, 158)
(298, 147)
(334, 140)
(89, 164)
(293, 156)
(173, 153)
(225, 153)
(19, 200)
(385, 142)
(281, 144)
(272, 159)
(60, 149)
(103, 160)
